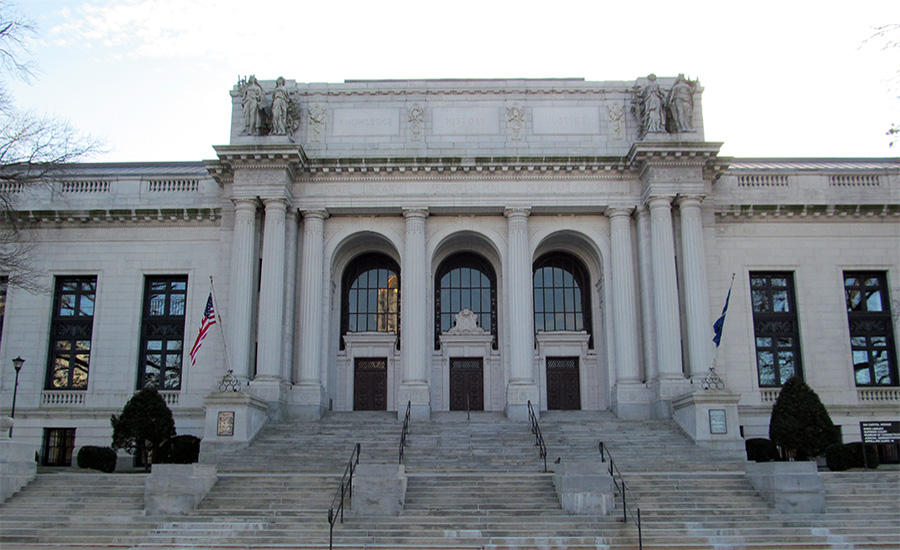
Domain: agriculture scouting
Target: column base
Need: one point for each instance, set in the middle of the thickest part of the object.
(631, 401)
(418, 396)
(667, 389)
(273, 390)
(517, 397)
(308, 401)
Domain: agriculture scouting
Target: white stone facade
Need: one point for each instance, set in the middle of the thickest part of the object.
(419, 172)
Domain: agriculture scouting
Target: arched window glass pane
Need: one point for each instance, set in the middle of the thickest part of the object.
(370, 300)
(465, 281)
(561, 299)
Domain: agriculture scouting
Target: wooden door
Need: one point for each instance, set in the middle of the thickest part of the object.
(563, 384)
(370, 385)
(466, 379)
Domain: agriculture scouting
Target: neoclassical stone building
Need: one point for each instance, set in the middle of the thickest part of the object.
(458, 244)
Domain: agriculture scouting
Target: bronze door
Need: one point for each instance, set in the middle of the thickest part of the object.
(370, 385)
(466, 379)
(563, 385)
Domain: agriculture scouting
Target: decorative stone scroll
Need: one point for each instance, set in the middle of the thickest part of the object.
(317, 117)
(416, 120)
(466, 323)
(515, 121)
(616, 114)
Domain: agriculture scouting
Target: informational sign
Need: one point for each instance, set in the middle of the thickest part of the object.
(718, 423)
(880, 432)
(226, 423)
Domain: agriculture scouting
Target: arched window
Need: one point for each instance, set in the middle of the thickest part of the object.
(370, 295)
(465, 281)
(562, 298)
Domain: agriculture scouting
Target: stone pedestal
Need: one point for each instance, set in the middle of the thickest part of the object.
(177, 488)
(272, 390)
(792, 487)
(232, 421)
(308, 401)
(710, 417)
(667, 389)
(417, 394)
(378, 489)
(517, 397)
(584, 488)
(17, 465)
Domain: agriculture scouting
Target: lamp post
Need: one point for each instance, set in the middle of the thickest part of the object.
(17, 364)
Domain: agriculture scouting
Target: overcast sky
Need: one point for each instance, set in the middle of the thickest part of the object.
(151, 77)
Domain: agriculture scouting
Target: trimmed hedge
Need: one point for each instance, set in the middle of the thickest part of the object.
(181, 449)
(840, 457)
(97, 458)
(760, 449)
(800, 421)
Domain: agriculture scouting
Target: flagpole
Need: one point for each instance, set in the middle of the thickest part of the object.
(212, 290)
(713, 380)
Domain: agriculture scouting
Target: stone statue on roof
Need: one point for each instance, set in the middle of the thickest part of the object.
(680, 105)
(253, 103)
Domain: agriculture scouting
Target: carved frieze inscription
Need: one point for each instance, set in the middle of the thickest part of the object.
(366, 122)
(566, 120)
(465, 121)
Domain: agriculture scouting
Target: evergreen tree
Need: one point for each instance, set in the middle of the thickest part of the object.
(145, 423)
(800, 421)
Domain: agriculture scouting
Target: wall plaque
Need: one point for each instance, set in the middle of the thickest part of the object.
(566, 120)
(717, 422)
(225, 425)
(466, 121)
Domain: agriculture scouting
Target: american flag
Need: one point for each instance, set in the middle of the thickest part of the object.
(209, 319)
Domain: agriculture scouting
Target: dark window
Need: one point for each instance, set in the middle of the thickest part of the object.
(70, 333)
(775, 328)
(871, 328)
(370, 299)
(562, 298)
(4, 283)
(162, 332)
(58, 446)
(465, 281)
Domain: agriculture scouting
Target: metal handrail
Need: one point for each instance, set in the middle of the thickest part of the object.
(623, 490)
(345, 488)
(538, 437)
(405, 430)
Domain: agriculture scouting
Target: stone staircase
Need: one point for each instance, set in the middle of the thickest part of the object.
(472, 484)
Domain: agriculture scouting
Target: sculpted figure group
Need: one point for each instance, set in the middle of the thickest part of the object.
(278, 118)
(660, 112)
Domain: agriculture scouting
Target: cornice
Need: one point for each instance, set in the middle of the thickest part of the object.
(809, 212)
(117, 217)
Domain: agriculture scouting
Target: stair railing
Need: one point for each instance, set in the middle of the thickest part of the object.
(538, 437)
(345, 489)
(405, 430)
(622, 487)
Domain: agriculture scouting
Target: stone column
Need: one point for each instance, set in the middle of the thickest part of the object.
(628, 402)
(267, 384)
(520, 304)
(648, 326)
(665, 299)
(696, 291)
(414, 273)
(290, 294)
(312, 399)
(241, 287)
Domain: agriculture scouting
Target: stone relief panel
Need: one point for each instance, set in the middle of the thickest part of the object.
(616, 115)
(515, 121)
(317, 117)
(415, 118)
(566, 120)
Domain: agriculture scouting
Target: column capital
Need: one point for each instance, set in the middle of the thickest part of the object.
(689, 200)
(244, 203)
(415, 212)
(660, 201)
(313, 213)
(618, 211)
(275, 202)
(517, 211)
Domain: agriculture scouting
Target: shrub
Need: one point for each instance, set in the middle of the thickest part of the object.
(144, 424)
(761, 449)
(97, 458)
(800, 421)
(841, 457)
(181, 449)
